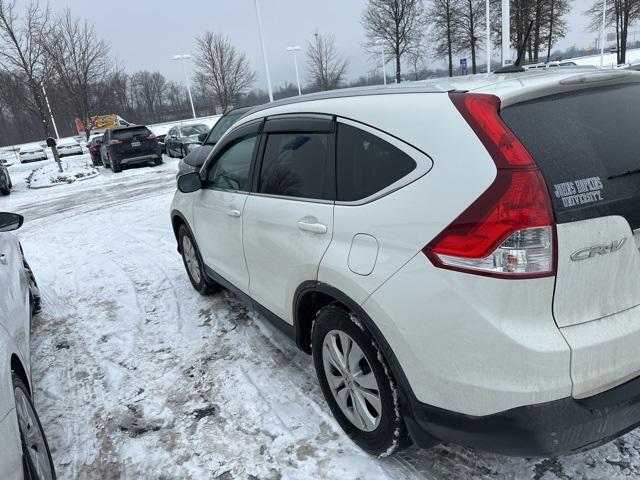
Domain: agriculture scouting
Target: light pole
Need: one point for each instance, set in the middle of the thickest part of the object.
(384, 70)
(53, 121)
(264, 51)
(295, 50)
(604, 20)
(488, 37)
(506, 33)
(182, 58)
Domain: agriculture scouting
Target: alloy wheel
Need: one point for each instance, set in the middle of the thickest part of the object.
(351, 380)
(191, 258)
(34, 444)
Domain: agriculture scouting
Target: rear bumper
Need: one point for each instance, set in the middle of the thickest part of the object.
(138, 159)
(548, 429)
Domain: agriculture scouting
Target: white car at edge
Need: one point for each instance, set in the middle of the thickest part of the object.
(460, 258)
(31, 153)
(68, 146)
(23, 446)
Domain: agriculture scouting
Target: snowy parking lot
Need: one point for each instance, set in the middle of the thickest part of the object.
(138, 376)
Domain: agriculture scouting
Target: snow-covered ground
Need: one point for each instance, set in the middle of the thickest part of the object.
(137, 376)
(77, 167)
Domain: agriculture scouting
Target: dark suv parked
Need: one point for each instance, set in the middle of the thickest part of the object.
(128, 146)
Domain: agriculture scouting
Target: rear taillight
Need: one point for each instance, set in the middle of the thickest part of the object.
(151, 136)
(115, 141)
(509, 231)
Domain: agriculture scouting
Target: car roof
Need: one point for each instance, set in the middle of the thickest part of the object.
(509, 87)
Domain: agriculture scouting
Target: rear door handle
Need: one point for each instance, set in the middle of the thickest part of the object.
(233, 212)
(312, 227)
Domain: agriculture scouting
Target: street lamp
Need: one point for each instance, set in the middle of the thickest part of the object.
(184, 57)
(264, 50)
(53, 121)
(384, 70)
(604, 19)
(488, 37)
(295, 50)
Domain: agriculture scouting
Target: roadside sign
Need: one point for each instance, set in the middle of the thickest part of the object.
(463, 65)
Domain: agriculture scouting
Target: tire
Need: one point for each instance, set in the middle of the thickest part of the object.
(115, 168)
(157, 161)
(36, 456)
(193, 263)
(6, 190)
(377, 426)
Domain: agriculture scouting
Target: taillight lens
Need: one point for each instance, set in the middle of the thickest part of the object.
(509, 231)
(115, 141)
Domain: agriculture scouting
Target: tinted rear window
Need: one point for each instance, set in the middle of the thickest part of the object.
(129, 133)
(584, 142)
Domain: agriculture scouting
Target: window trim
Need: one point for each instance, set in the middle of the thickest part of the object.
(424, 163)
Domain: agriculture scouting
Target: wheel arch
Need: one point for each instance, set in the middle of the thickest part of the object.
(311, 296)
(177, 220)
(18, 368)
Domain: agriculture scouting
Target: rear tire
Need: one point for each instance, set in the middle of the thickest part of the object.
(116, 168)
(6, 190)
(347, 356)
(193, 263)
(36, 456)
(158, 161)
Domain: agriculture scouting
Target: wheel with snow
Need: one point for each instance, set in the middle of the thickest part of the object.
(357, 383)
(5, 190)
(193, 262)
(36, 457)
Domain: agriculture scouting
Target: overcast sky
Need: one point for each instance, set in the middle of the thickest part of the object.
(145, 34)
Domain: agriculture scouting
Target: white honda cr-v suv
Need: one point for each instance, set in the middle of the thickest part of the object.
(459, 258)
(24, 453)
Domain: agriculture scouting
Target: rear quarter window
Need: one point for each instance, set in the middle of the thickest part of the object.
(366, 164)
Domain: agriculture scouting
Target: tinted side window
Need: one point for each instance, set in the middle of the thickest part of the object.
(297, 165)
(231, 169)
(367, 164)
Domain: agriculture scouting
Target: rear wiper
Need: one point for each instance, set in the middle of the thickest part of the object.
(625, 174)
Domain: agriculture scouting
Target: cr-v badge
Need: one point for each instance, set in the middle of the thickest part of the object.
(589, 252)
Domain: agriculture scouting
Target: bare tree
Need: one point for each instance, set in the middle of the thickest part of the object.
(471, 16)
(445, 29)
(622, 14)
(22, 52)
(397, 23)
(223, 68)
(325, 67)
(416, 54)
(80, 60)
(150, 88)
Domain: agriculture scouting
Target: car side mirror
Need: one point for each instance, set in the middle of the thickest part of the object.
(10, 221)
(189, 182)
(202, 137)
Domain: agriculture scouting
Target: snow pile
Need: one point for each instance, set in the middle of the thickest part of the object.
(48, 175)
